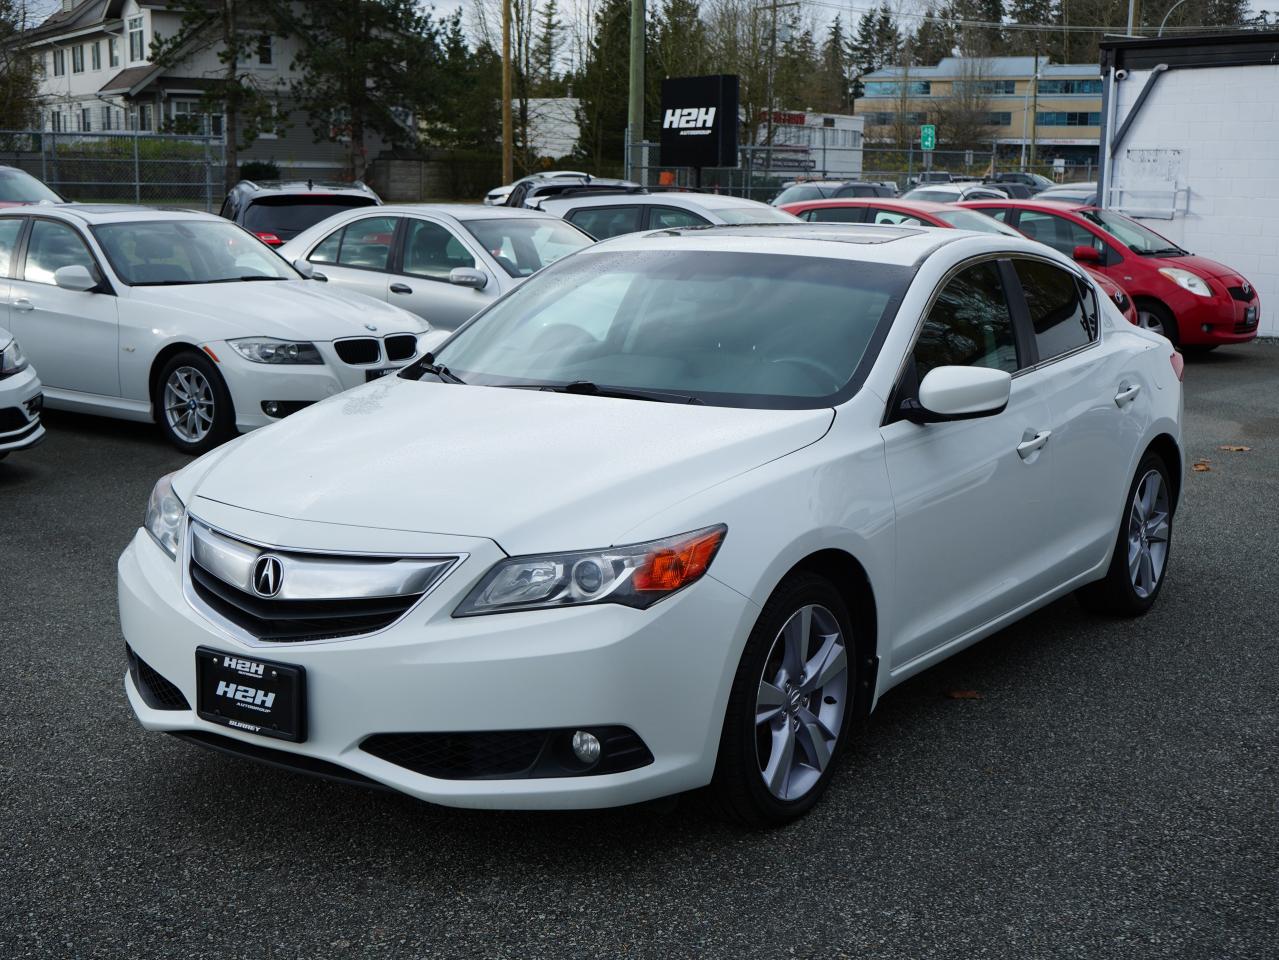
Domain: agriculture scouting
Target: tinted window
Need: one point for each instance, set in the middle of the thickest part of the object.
(799, 194)
(661, 218)
(736, 329)
(432, 251)
(288, 216)
(10, 227)
(1057, 312)
(363, 244)
(836, 215)
(892, 216)
(857, 190)
(524, 246)
(999, 213)
(604, 222)
(54, 245)
(969, 325)
(1059, 233)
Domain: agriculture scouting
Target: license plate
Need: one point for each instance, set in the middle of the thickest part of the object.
(1250, 316)
(256, 696)
(379, 374)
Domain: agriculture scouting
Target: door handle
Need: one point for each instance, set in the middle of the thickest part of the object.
(1127, 393)
(23, 304)
(401, 288)
(1032, 442)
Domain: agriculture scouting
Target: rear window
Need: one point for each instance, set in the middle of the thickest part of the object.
(288, 216)
(799, 194)
(756, 214)
(17, 186)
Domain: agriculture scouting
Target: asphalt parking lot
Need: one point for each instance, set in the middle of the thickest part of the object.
(1071, 787)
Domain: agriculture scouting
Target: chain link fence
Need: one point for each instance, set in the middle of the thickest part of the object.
(151, 168)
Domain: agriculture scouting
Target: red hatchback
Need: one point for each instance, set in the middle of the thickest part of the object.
(929, 214)
(1193, 301)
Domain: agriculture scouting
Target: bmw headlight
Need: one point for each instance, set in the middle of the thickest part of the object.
(164, 516)
(1187, 281)
(270, 350)
(11, 359)
(637, 575)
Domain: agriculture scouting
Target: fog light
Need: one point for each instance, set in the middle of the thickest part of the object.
(586, 747)
(271, 408)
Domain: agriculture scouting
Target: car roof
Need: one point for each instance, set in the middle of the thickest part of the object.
(673, 198)
(356, 188)
(1049, 204)
(458, 211)
(108, 212)
(888, 203)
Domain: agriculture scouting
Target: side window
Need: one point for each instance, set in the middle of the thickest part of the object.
(327, 250)
(432, 251)
(1059, 233)
(837, 215)
(893, 217)
(662, 218)
(604, 222)
(52, 246)
(969, 325)
(10, 229)
(1057, 310)
(366, 244)
(999, 213)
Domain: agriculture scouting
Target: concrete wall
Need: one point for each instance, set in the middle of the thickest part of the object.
(1213, 134)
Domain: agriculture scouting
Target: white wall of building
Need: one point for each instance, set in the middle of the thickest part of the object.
(1212, 134)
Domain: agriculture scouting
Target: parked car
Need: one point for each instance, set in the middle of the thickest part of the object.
(604, 216)
(1084, 194)
(184, 319)
(1034, 181)
(659, 519)
(20, 398)
(497, 196)
(1195, 302)
(924, 213)
(443, 262)
(1017, 191)
(799, 190)
(276, 212)
(532, 194)
(930, 176)
(955, 192)
(18, 188)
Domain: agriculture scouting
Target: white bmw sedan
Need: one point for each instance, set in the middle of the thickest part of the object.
(184, 319)
(20, 398)
(671, 514)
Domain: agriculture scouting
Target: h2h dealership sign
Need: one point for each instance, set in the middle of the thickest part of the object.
(699, 121)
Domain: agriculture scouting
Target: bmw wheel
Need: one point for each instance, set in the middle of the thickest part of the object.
(790, 706)
(193, 406)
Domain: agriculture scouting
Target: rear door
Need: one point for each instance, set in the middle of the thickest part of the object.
(607, 221)
(358, 255)
(10, 234)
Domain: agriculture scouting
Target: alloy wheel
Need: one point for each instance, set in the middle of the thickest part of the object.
(1151, 321)
(799, 710)
(1148, 531)
(188, 404)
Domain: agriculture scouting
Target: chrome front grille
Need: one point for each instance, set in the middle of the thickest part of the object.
(268, 595)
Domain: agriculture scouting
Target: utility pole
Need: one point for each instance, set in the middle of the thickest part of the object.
(1034, 104)
(773, 7)
(1134, 16)
(508, 153)
(635, 105)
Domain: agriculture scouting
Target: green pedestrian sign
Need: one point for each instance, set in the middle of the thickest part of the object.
(928, 136)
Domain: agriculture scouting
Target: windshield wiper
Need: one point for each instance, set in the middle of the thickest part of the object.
(1165, 252)
(245, 279)
(586, 387)
(428, 365)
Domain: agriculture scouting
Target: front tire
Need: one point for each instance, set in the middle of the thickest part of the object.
(193, 405)
(1142, 548)
(1157, 318)
(789, 710)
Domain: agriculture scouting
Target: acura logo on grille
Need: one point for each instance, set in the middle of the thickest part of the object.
(268, 573)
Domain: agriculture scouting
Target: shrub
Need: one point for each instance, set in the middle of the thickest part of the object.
(259, 170)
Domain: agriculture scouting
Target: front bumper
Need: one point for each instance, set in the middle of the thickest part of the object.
(1219, 319)
(663, 673)
(20, 405)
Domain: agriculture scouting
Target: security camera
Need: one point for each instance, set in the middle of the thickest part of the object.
(1121, 74)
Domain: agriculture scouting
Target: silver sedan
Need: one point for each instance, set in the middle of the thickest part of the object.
(443, 262)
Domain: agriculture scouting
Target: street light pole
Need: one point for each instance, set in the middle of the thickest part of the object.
(1164, 22)
(1134, 14)
(508, 153)
(635, 105)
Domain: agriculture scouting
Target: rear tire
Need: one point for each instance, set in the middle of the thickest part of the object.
(1154, 316)
(193, 405)
(1142, 547)
(790, 707)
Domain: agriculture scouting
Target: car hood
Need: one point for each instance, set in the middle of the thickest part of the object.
(1200, 265)
(532, 470)
(291, 309)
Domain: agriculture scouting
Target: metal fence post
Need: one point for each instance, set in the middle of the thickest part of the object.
(44, 159)
(208, 179)
(137, 171)
(53, 148)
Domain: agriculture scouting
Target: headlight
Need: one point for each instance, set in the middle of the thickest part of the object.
(1187, 281)
(164, 516)
(11, 359)
(637, 575)
(269, 350)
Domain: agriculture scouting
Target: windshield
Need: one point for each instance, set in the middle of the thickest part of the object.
(756, 214)
(799, 194)
(286, 217)
(970, 220)
(1133, 235)
(155, 253)
(732, 329)
(18, 186)
(524, 246)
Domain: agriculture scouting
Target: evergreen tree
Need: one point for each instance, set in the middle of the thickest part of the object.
(833, 83)
(602, 88)
(980, 38)
(545, 55)
(888, 36)
(935, 38)
(19, 71)
(461, 113)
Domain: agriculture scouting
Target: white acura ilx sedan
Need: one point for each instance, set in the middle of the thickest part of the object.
(672, 514)
(183, 318)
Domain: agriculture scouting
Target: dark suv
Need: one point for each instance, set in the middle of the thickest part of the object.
(531, 193)
(277, 211)
(798, 191)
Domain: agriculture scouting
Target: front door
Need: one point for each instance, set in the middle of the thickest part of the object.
(968, 494)
(431, 253)
(358, 255)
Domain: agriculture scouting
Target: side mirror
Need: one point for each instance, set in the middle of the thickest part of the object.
(960, 393)
(75, 277)
(304, 267)
(468, 277)
(1086, 254)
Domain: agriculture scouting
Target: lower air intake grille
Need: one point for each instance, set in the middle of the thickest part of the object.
(401, 346)
(507, 754)
(357, 350)
(11, 419)
(157, 692)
